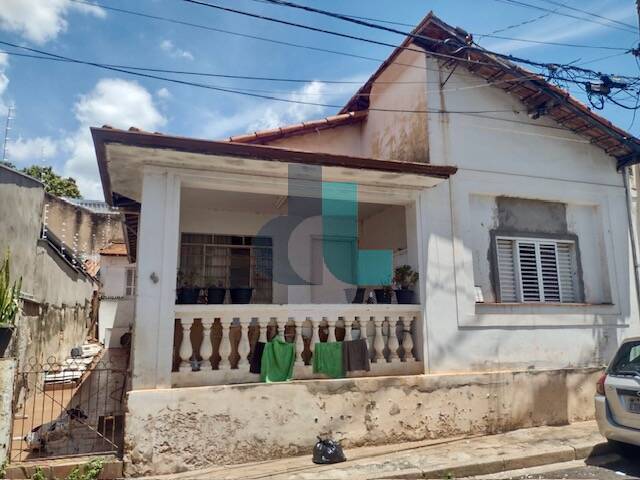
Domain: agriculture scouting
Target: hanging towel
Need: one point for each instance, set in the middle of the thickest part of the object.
(256, 357)
(355, 355)
(277, 360)
(327, 359)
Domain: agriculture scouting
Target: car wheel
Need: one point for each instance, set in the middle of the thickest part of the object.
(624, 449)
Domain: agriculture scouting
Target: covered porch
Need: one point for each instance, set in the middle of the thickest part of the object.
(209, 212)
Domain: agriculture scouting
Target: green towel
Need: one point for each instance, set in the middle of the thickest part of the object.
(327, 359)
(277, 360)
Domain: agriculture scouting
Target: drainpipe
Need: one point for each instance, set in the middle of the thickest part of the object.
(632, 231)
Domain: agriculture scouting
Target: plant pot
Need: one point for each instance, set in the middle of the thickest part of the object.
(215, 295)
(5, 339)
(241, 295)
(405, 296)
(382, 295)
(188, 296)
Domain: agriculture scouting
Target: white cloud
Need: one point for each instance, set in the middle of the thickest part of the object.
(115, 102)
(163, 93)
(261, 115)
(41, 20)
(169, 48)
(4, 82)
(32, 150)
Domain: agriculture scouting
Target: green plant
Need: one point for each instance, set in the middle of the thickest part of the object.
(38, 474)
(3, 469)
(9, 294)
(90, 471)
(405, 277)
(187, 279)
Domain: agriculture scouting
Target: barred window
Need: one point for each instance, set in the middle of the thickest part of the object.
(534, 270)
(130, 283)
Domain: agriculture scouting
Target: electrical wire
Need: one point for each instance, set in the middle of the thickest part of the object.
(593, 14)
(470, 113)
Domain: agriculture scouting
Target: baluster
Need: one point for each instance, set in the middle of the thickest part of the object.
(393, 339)
(378, 341)
(281, 324)
(186, 349)
(331, 324)
(407, 341)
(206, 350)
(243, 345)
(263, 325)
(315, 334)
(299, 321)
(225, 344)
(348, 325)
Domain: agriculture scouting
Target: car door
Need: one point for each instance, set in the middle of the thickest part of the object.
(622, 386)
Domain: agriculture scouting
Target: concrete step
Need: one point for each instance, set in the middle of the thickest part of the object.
(61, 468)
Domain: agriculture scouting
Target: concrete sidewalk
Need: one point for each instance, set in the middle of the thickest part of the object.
(458, 457)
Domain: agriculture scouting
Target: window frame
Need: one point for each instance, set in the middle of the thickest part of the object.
(537, 241)
(130, 288)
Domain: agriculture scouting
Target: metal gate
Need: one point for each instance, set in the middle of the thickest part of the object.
(70, 408)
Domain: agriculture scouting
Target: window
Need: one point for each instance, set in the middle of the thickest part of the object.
(534, 270)
(130, 283)
(229, 261)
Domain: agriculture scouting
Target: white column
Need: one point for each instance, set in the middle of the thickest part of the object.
(186, 348)
(378, 341)
(331, 322)
(225, 344)
(244, 346)
(157, 263)
(263, 325)
(393, 338)
(315, 333)
(348, 325)
(206, 350)
(407, 340)
(299, 321)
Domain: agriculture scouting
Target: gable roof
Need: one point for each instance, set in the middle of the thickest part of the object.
(532, 89)
(265, 136)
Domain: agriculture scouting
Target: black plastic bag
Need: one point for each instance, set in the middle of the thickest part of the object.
(328, 451)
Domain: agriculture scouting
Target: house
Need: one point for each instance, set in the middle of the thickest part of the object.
(117, 301)
(50, 243)
(516, 224)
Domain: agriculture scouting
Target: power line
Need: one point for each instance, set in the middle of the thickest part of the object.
(593, 14)
(473, 114)
(536, 7)
(555, 44)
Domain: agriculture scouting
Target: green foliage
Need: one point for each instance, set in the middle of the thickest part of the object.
(3, 469)
(38, 474)
(90, 471)
(405, 277)
(9, 294)
(54, 183)
(7, 164)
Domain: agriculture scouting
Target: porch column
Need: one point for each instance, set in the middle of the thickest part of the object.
(158, 244)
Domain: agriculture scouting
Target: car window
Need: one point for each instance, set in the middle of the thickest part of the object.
(627, 360)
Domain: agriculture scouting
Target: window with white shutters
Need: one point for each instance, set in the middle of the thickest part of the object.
(536, 270)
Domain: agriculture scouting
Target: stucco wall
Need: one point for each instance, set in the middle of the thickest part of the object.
(182, 429)
(7, 377)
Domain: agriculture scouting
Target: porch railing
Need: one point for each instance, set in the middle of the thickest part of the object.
(213, 344)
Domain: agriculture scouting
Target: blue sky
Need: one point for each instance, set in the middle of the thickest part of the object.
(55, 103)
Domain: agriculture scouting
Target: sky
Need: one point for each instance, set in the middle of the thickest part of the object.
(57, 102)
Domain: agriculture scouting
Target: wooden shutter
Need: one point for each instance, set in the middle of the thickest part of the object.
(506, 270)
(549, 271)
(529, 273)
(567, 272)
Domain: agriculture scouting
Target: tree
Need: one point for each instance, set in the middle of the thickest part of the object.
(7, 164)
(54, 183)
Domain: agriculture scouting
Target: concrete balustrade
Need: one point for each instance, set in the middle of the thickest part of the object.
(214, 343)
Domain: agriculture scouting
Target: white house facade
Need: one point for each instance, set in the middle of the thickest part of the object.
(515, 221)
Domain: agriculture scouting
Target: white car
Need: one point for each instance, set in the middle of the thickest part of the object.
(618, 396)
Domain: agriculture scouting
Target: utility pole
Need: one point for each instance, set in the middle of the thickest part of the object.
(7, 127)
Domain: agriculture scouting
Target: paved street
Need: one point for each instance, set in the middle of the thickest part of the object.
(611, 466)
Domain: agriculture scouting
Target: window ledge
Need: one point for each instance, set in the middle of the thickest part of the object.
(540, 304)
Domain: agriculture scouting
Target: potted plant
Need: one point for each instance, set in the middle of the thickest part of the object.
(9, 304)
(405, 278)
(383, 294)
(188, 290)
(215, 293)
(241, 295)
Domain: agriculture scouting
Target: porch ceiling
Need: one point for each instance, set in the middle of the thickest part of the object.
(122, 156)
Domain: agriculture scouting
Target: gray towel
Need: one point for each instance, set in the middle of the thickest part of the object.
(355, 355)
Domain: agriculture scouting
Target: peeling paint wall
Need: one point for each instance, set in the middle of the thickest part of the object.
(183, 429)
(398, 135)
(7, 377)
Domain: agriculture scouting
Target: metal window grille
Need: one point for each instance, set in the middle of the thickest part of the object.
(130, 285)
